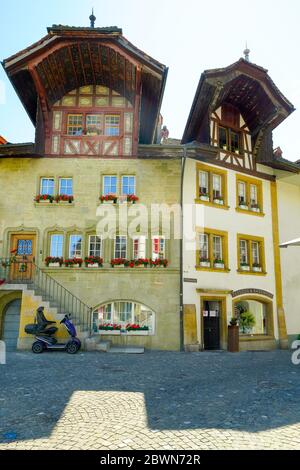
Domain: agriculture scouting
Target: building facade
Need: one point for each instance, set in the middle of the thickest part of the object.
(232, 267)
(95, 102)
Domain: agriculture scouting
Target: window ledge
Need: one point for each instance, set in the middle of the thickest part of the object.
(214, 270)
(250, 212)
(252, 273)
(256, 337)
(54, 204)
(212, 204)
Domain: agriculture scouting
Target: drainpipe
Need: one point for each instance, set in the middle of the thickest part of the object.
(183, 162)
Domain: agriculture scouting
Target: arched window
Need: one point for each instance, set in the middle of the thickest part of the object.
(130, 316)
(253, 316)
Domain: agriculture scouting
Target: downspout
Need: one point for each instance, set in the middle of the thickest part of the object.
(183, 162)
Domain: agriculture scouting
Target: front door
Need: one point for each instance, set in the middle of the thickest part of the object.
(211, 324)
(23, 252)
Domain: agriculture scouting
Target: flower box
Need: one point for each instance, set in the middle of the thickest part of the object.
(219, 265)
(219, 201)
(73, 263)
(255, 209)
(54, 265)
(244, 207)
(138, 333)
(205, 264)
(110, 332)
(94, 265)
(204, 198)
(257, 269)
(109, 199)
(44, 198)
(54, 262)
(245, 267)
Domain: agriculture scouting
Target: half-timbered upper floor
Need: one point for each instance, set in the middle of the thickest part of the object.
(89, 92)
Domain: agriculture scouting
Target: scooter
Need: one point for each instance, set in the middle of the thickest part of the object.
(44, 332)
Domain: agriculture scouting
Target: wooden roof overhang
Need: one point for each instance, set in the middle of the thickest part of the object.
(26, 150)
(69, 57)
(246, 86)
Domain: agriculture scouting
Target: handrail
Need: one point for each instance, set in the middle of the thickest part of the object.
(14, 270)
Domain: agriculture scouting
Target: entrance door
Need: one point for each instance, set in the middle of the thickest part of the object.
(211, 324)
(11, 325)
(23, 247)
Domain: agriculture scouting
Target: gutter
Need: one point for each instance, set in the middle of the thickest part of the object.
(183, 163)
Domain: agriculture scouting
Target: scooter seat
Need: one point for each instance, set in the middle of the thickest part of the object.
(48, 331)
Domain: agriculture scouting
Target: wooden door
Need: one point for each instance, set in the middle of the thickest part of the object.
(23, 251)
(211, 324)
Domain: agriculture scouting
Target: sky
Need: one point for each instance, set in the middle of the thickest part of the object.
(188, 36)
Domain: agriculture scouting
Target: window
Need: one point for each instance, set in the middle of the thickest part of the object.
(75, 246)
(120, 246)
(249, 195)
(229, 140)
(94, 123)
(212, 250)
(47, 186)
(95, 245)
(75, 124)
(217, 186)
(158, 248)
(128, 185)
(203, 247)
(139, 248)
(56, 246)
(109, 185)
(124, 313)
(112, 125)
(66, 186)
(242, 193)
(203, 183)
(251, 254)
(252, 316)
(212, 186)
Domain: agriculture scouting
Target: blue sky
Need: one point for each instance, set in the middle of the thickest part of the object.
(188, 37)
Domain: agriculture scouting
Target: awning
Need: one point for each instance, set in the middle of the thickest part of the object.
(295, 242)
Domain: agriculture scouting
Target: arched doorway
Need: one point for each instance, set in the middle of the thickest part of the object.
(11, 323)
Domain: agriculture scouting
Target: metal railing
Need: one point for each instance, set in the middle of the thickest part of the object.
(22, 271)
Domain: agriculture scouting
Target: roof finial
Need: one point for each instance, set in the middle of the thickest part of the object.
(92, 19)
(246, 53)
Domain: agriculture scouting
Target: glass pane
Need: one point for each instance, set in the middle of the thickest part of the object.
(24, 247)
(158, 248)
(252, 316)
(75, 125)
(217, 244)
(94, 124)
(95, 246)
(243, 251)
(223, 144)
(217, 186)
(255, 253)
(112, 125)
(242, 192)
(56, 246)
(203, 183)
(120, 247)
(123, 312)
(203, 247)
(128, 185)
(47, 186)
(253, 194)
(235, 142)
(75, 246)
(66, 186)
(109, 185)
(139, 248)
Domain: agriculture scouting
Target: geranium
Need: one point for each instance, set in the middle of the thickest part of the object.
(141, 261)
(51, 259)
(109, 197)
(44, 197)
(132, 198)
(119, 261)
(64, 197)
(73, 261)
(93, 260)
(159, 262)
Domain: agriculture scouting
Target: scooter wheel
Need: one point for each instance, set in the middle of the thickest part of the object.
(72, 348)
(37, 347)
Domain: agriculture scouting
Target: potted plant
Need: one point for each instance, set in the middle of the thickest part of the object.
(246, 322)
(132, 198)
(243, 205)
(204, 262)
(219, 200)
(109, 199)
(135, 329)
(159, 263)
(233, 336)
(219, 264)
(45, 198)
(54, 262)
(120, 262)
(64, 198)
(141, 263)
(110, 329)
(255, 208)
(245, 267)
(93, 261)
(256, 267)
(204, 196)
(73, 262)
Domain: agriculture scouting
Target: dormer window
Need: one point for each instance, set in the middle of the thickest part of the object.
(229, 140)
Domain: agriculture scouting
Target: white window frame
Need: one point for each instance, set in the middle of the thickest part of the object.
(142, 247)
(160, 254)
(41, 186)
(65, 193)
(134, 185)
(124, 237)
(56, 245)
(76, 255)
(110, 185)
(89, 249)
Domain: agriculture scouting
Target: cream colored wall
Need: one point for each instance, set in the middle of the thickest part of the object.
(289, 229)
(233, 222)
(157, 181)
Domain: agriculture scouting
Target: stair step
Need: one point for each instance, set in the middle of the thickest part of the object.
(126, 350)
(103, 346)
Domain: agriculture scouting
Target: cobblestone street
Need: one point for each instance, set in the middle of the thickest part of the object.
(152, 401)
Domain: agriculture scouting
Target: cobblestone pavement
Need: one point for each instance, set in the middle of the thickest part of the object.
(159, 400)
